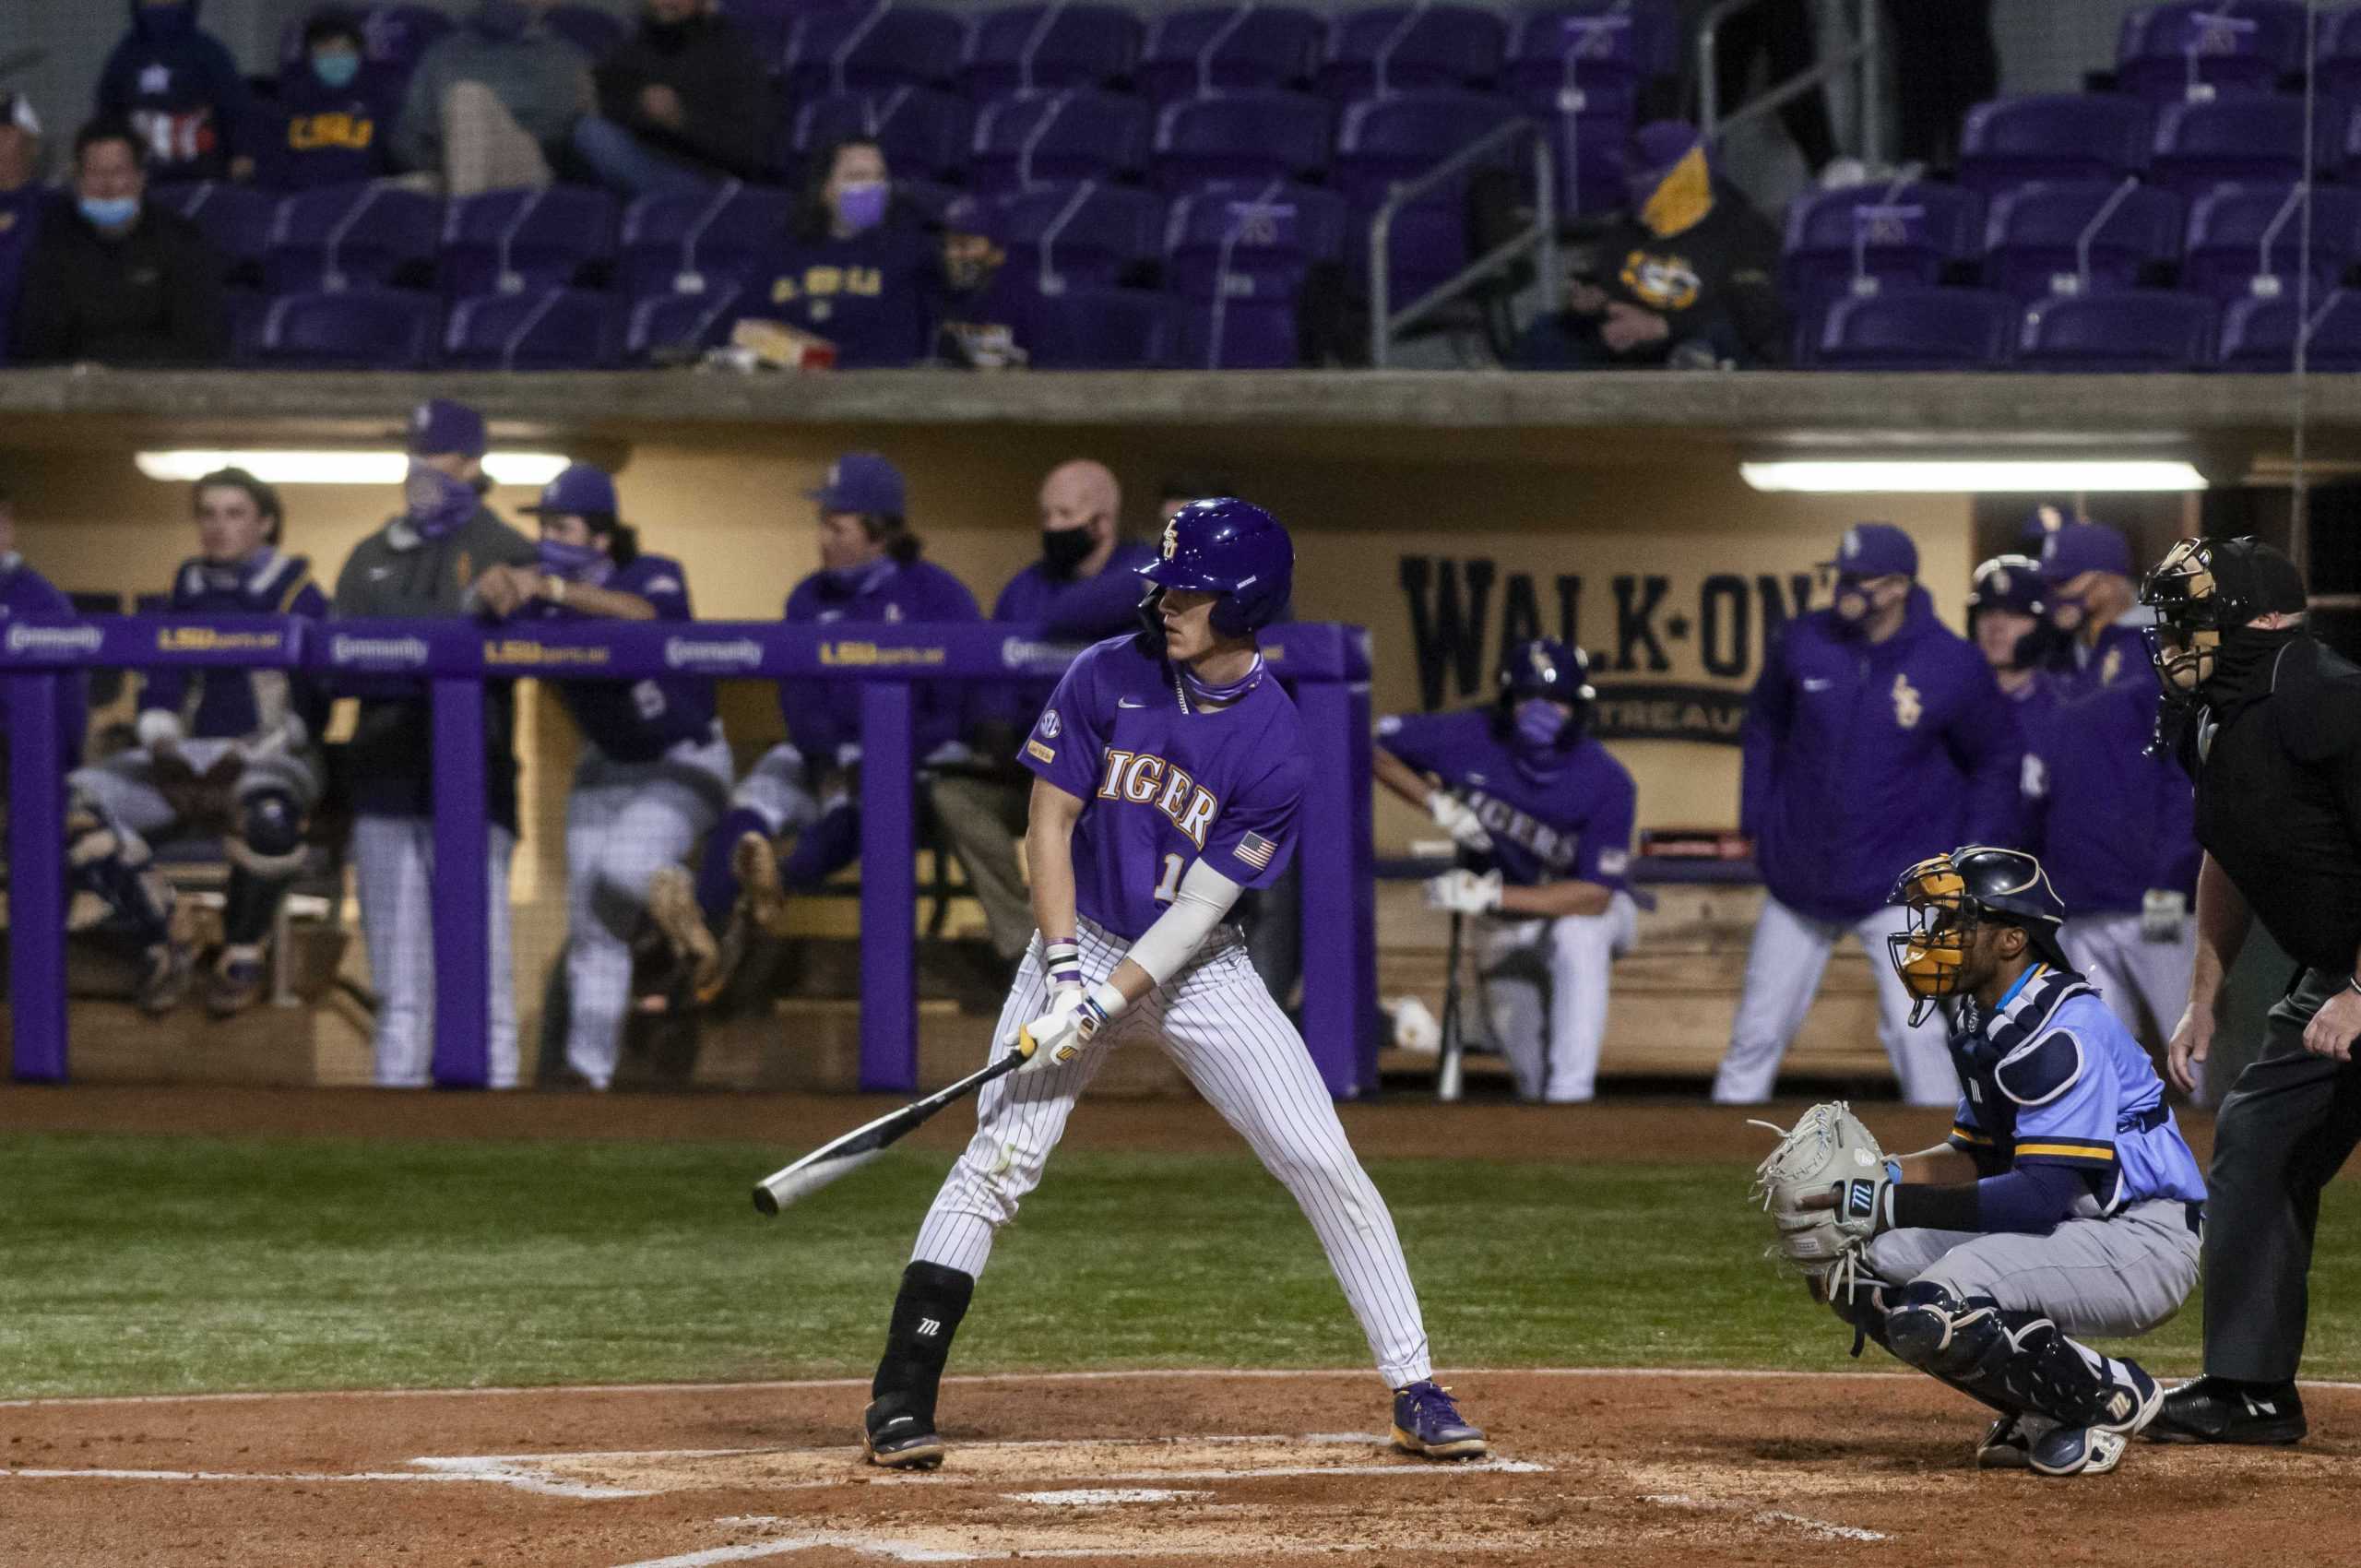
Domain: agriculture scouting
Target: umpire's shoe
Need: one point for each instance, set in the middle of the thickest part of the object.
(2222, 1409)
(1426, 1423)
(898, 1436)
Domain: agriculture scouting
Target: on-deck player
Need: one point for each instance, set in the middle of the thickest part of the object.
(654, 770)
(229, 750)
(1548, 813)
(1169, 775)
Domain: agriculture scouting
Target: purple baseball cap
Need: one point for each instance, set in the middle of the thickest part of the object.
(1876, 550)
(440, 425)
(2085, 547)
(862, 482)
(579, 489)
(970, 215)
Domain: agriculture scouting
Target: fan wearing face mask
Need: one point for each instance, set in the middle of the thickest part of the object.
(857, 270)
(336, 109)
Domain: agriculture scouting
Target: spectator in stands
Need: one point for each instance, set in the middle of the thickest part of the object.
(23, 198)
(2093, 601)
(181, 90)
(680, 106)
(336, 112)
(1944, 56)
(26, 595)
(1689, 278)
(985, 315)
(116, 279)
(491, 103)
(1780, 33)
(859, 269)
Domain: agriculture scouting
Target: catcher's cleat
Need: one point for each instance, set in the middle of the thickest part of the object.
(170, 966)
(2221, 1409)
(899, 1439)
(1427, 1422)
(2078, 1451)
(760, 892)
(2136, 1399)
(237, 981)
(2008, 1444)
(673, 904)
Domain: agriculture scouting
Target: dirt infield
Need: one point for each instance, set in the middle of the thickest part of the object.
(1143, 1468)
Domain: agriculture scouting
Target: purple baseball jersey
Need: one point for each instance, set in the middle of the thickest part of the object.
(638, 720)
(1574, 821)
(1161, 786)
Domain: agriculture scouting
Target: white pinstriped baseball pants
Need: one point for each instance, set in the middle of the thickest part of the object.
(1220, 1026)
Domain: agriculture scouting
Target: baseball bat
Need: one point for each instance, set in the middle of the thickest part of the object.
(1447, 1077)
(865, 1143)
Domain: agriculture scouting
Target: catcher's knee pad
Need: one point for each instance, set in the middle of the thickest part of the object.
(1940, 1332)
(269, 842)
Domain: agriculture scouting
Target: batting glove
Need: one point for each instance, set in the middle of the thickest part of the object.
(1458, 818)
(1465, 892)
(1062, 1033)
(1062, 962)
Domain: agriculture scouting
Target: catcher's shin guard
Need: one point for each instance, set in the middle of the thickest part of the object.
(1950, 1340)
(2010, 1361)
(106, 859)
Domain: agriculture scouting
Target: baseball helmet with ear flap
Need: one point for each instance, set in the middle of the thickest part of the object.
(1546, 668)
(1229, 547)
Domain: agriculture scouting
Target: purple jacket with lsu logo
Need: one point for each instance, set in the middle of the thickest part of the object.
(1862, 759)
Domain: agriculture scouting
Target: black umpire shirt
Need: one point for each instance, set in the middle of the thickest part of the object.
(2279, 800)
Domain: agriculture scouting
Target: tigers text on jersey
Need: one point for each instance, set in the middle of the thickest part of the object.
(1161, 786)
(639, 720)
(1574, 821)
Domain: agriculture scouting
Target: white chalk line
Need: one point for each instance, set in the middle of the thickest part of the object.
(1826, 1528)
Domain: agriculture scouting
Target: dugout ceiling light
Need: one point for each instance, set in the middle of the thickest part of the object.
(528, 470)
(1902, 476)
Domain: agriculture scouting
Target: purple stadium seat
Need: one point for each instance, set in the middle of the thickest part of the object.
(2079, 236)
(341, 236)
(2136, 329)
(1914, 329)
(673, 325)
(1588, 146)
(2247, 239)
(888, 45)
(1867, 237)
(2064, 137)
(1028, 48)
(593, 31)
(1383, 49)
(693, 244)
(1386, 140)
(390, 35)
(1075, 134)
(2196, 51)
(249, 308)
(1087, 234)
(1102, 329)
(2199, 145)
(539, 329)
(1230, 47)
(1251, 134)
(1252, 239)
(922, 133)
(2259, 335)
(1586, 46)
(359, 329)
(2336, 68)
(505, 241)
(1224, 333)
(237, 219)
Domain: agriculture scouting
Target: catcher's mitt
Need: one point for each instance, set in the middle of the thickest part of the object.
(1827, 1148)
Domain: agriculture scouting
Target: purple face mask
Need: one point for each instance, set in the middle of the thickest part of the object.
(862, 207)
(584, 564)
(1540, 722)
(436, 503)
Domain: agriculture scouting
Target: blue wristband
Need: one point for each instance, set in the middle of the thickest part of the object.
(1894, 1170)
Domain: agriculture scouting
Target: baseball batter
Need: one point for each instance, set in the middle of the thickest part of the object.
(1546, 813)
(228, 751)
(655, 769)
(1169, 775)
(2063, 1206)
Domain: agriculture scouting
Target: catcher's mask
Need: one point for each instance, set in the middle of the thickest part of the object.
(1948, 898)
(2187, 636)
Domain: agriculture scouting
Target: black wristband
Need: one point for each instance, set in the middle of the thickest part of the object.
(1918, 1206)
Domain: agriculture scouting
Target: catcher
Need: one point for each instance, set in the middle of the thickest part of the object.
(2064, 1204)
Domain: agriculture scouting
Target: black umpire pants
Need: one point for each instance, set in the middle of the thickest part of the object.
(2287, 1127)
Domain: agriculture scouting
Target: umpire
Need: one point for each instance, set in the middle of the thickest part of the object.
(2269, 725)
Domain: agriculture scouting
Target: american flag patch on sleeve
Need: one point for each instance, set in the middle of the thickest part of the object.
(1256, 852)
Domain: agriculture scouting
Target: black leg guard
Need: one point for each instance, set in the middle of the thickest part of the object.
(926, 1314)
(251, 906)
(1950, 1340)
(113, 862)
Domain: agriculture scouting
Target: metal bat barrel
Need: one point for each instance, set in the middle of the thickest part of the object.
(807, 1176)
(865, 1143)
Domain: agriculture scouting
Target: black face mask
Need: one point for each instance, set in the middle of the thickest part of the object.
(666, 35)
(2243, 667)
(1062, 550)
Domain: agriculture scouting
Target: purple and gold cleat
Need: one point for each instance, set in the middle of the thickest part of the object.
(1426, 1423)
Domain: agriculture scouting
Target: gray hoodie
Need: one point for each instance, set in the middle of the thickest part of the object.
(542, 80)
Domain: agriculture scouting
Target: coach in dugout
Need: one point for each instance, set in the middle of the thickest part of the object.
(1874, 738)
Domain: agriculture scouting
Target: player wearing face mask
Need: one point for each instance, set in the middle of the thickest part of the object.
(857, 271)
(1874, 738)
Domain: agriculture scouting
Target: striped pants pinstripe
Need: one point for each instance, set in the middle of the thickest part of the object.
(1220, 1026)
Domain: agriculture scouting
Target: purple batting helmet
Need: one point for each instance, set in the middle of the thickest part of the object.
(1232, 547)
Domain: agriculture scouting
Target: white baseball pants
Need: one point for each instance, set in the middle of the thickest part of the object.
(2130, 970)
(395, 859)
(1545, 996)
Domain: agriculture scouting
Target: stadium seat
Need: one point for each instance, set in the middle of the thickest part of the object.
(1229, 48)
(505, 241)
(678, 326)
(537, 329)
(1867, 237)
(1029, 48)
(1387, 140)
(1914, 329)
(2135, 329)
(1085, 234)
(356, 328)
(2336, 66)
(1244, 134)
(692, 244)
(1237, 255)
(393, 36)
(1074, 134)
(593, 31)
(2064, 137)
(1587, 147)
(2190, 52)
(1383, 49)
(2247, 239)
(236, 217)
(2259, 335)
(1559, 53)
(922, 131)
(1102, 329)
(2080, 236)
(1224, 333)
(2199, 145)
(888, 45)
(342, 236)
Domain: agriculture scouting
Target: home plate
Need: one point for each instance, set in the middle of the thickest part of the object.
(1099, 1496)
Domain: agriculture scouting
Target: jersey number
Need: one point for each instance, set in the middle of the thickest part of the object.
(1167, 886)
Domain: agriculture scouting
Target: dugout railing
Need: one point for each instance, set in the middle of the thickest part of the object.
(1327, 666)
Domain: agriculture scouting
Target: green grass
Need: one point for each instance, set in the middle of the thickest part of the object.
(181, 1265)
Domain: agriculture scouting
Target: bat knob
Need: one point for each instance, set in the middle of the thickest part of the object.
(763, 1203)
